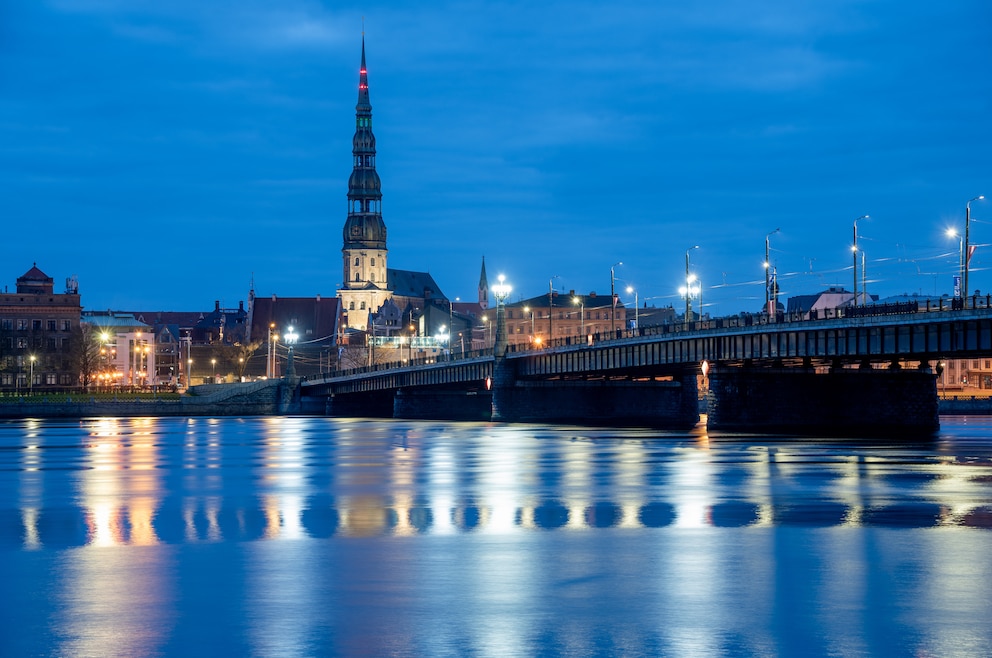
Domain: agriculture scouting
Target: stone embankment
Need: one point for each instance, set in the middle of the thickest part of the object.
(264, 398)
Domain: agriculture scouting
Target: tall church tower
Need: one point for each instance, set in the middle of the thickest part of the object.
(364, 286)
(483, 287)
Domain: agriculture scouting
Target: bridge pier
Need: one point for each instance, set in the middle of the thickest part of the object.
(372, 404)
(442, 404)
(849, 402)
(666, 404)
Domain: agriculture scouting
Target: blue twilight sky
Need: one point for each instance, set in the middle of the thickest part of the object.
(167, 152)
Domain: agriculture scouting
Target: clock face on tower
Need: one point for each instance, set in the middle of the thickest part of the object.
(356, 230)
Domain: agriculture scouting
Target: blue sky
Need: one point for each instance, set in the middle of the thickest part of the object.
(167, 152)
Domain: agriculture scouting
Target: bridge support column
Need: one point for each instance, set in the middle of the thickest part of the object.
(846, 402)
(372, 404)
(436, 404)
(667, 404)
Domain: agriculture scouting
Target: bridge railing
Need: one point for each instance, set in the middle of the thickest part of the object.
(676, 327)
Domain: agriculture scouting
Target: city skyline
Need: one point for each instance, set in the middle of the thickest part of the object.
(168, 157)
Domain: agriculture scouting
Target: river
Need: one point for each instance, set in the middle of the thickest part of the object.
(302, 536)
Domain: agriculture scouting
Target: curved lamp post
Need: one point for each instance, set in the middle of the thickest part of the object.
(967, 246)
(854, 252)
(631, 290)
(952, 233)
(613, 298)
(768, 309)
(687, 289)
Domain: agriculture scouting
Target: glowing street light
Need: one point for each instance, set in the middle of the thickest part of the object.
(768, 301)
(967, 245)
(270, 361)
(32, 359)
(581, 303)
(854, 253)
(501, 290)
(687, 289)
(613, 298)
(952, 233)
(630, 289)
(290, 337)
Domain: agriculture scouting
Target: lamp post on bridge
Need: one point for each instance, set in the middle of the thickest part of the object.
(581, 301)
(613, 299)
(967, 246)
(952, 233)
(854, 252)
(290, 337)
(768, 308)
(631, 289)
(688, 289)
(551, 304)
(501, 291)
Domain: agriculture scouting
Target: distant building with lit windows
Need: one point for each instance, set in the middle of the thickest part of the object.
(563, 317)
(39, 335)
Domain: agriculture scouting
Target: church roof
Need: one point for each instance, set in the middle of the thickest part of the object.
(406, 283)
(313, 318)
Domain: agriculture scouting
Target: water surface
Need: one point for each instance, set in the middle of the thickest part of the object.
(320, 536)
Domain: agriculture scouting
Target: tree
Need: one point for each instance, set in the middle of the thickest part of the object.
(84, 352)
(238, 354)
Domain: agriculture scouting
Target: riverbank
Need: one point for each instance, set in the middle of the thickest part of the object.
(264, 398)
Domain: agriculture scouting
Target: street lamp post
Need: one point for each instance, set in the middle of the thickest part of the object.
(864, 277)
(31, 380)
(951, 233)
(854, 253)
(290, 337)
(501, 290)
(613, 299)
(270, 369)
(967, 246)
(213, 366)
(768, 307)
(551, 305)
(688, 288)
(630, 289)
(582, 313)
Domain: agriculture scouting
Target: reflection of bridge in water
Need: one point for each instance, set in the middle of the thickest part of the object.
(871, 370)
(777, 488)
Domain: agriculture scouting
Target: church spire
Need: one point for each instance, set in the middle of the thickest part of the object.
(364, 228)
(483, 287)
(365, 281)
(364, 105)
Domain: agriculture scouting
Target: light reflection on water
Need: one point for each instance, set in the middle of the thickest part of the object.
(317, 536)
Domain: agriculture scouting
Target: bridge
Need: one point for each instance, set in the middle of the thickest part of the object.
(869, 371)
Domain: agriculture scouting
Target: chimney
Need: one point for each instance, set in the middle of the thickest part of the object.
(318, 298)
(217, 305)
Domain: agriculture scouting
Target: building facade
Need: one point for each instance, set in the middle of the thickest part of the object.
(40, 335)
(558, 317)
